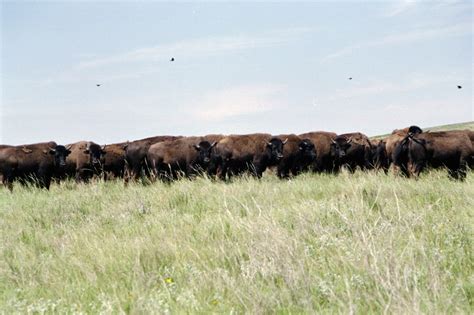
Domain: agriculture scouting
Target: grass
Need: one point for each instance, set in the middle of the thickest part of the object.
(460, 126)
(360, 243)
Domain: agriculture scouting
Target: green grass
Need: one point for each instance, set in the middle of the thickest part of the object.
(318, 243)
(460, 126)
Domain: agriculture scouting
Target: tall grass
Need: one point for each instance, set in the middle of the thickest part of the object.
(318, 243)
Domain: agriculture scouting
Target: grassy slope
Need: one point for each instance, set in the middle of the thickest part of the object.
(363, 242)
(466, 125)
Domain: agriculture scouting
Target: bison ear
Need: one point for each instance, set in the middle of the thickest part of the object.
(197, 147)
(86, 151)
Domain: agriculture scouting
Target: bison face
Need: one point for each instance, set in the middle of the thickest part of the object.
(96, 154)
(307, 149)
(204, 149)
(60, 153)
(340, 146)
(275, 149)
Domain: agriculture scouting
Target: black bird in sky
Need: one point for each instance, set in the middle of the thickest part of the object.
(98, 85)
(459, 87)
(350, 78)
(172, 59)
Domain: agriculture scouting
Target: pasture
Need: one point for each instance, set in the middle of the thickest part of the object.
(363, 242)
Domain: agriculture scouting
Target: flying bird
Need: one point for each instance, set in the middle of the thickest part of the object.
(459, 87)
(172, 59)
(350, 78)
(98, 85)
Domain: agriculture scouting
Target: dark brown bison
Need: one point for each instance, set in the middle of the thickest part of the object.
(114, 160)
(85, 161)
(135, 156)
(394, 151)
(352, 150)
(181, 157)
(322, 141)
(298, 154)
(32, 162)
(253, 152)
(379, 158)
(450, 149)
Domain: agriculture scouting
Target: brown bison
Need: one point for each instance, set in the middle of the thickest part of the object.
(86, 160)
(185, 156)
(392, 148)
(379, 158)
(114, 160)
(322, 141)
(298, 154)
(450, 149)
(351, 150)
(135, 156)
(37, 162)
(254, 152)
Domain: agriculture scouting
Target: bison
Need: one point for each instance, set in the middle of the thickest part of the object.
(351, 150)
(379, 158)
(254, 152)
(322, 141)
(85, 161)
(450, 149)
(114, 160)
(135, 156)
(298, 154)
(186, 156)
(396, 154)
(38, 162)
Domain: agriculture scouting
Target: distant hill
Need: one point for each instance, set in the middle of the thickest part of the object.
(465, 125)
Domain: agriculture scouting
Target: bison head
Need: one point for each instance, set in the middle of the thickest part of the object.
(340, 146)
(60, 153)
(204, 149)
(414, 130)
(96, 153)
(307, 149)
(274, 149)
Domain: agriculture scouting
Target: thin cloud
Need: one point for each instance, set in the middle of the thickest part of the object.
(404, 38)
(400, 7)
(238, 101)
(413, 82)
(200, 47)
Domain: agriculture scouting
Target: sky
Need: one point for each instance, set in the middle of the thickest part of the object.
(239, 67)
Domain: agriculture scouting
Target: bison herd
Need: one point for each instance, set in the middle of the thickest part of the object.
(409, 151)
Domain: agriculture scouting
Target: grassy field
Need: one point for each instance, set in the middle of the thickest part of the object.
(466, 125)
(359, 243)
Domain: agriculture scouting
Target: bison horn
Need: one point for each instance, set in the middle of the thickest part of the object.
(103, 147)
(332, 140)
(350, 140)
(68, 147)
(214, 144)
(26, 150)
(286, 140)
(197, 147)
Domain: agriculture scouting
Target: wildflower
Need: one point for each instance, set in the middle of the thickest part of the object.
(169, 280)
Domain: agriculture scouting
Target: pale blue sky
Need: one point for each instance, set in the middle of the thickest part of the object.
(239, 67)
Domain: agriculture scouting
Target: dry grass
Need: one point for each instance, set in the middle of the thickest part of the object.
(318, 243)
